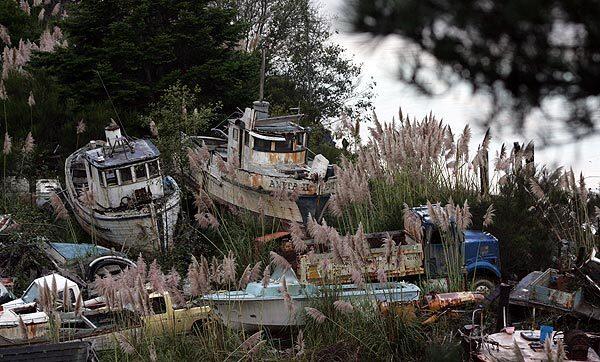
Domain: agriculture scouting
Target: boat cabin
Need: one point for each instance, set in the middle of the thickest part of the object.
(256, 139)
(122, 173)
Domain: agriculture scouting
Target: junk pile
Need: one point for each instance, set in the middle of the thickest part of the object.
(576, 291)
(52, 309)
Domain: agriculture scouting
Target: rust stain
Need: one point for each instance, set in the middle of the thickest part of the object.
(287, 158)
(561, 298)
(256, 180)
(444, 300)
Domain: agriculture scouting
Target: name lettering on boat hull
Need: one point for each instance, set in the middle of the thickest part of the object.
(288, 185)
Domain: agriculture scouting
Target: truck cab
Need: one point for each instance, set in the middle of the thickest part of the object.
(168, 317)
(480, 252)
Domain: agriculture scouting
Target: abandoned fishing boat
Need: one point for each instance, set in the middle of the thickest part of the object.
(265, 306)
(119, 194)
(260, 164)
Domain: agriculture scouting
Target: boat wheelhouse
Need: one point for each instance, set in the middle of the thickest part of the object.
(261, 164)
(118, 193)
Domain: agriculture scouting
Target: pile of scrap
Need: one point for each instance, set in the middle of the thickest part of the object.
(52, 309)
(576, 292)
(439, 304)
(525, 345)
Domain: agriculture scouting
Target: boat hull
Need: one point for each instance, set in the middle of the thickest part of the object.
(265, 200)
(17, 333)
(140, 230)
(240, 310)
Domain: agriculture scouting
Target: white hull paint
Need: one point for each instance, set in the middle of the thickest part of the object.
(241, 310)
(251, 315)
(145, 228)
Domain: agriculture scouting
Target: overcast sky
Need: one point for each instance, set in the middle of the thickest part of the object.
(457, 107)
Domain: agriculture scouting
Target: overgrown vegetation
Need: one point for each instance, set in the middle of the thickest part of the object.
(164, 69)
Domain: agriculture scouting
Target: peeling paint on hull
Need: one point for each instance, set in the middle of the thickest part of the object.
(257, 195)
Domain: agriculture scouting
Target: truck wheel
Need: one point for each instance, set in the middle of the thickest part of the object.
(484, 285)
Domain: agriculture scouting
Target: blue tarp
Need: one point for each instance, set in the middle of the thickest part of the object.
(75, 251)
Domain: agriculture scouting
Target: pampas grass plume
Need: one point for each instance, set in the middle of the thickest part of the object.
(315, 314)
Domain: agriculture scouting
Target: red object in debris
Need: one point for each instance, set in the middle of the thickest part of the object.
(7, 282)
(270, 237)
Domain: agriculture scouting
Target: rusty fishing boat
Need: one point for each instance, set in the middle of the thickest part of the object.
(260, 163)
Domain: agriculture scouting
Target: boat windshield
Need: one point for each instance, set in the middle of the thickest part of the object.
(31, 294)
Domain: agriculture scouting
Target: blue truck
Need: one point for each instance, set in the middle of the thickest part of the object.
(480, 251)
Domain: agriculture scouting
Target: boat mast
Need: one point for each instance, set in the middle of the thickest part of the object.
(261, 92)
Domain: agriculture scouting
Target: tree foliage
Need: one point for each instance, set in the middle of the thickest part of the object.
(137, 48)
(305, 69)
(19, 24)
(526, 54)
(178, 112)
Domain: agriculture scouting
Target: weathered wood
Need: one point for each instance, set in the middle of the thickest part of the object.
(50, 352)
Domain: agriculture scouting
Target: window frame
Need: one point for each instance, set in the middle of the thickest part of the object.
(150, 175)
(259, 143)
(163, 305)
(135, 172)
(126, 182)
(106, 179)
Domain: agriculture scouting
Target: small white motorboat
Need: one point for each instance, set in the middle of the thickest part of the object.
(259, 306)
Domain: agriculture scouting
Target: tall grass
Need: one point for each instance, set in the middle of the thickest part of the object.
(413, 162)
(405, 162)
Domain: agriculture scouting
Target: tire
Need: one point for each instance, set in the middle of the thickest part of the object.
(484, 285)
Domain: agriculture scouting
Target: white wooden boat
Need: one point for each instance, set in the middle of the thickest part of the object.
(258, 306)
(132, 203)
(267, 168)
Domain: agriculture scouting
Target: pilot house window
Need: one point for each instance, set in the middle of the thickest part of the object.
(153, 169)
(111, 178)
(299, 140)
(284, 146)
(140, 172)
(126, 176)
(262, 145)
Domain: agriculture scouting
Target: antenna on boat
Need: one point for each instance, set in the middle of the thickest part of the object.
(261, 92)
(111, 103)
(261, 107)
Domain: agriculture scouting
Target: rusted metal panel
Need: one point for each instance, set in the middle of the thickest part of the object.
(542, 289)
(16, 333)
(410, 263)
(445, 300)
(271, 237)
(260, 203)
